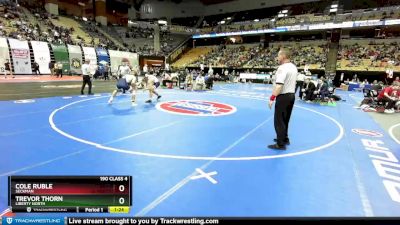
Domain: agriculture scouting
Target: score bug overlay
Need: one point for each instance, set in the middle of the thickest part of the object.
(88, 194)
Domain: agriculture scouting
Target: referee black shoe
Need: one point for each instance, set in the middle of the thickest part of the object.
(287, 142)
(277, 147)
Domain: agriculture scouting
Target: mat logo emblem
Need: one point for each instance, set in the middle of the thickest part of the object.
(369, 133)
(9, 220)
(196, 108)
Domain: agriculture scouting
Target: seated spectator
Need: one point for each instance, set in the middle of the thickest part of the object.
(209, 80)
(166, 79)
(200, 82)
(322, 89)
(390, 96)
(189, 81)
(377, 86)
(308, 90)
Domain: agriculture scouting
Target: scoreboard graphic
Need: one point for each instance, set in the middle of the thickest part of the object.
(78, 194)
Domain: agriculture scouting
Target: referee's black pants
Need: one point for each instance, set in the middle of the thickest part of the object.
(283, 110)
(86, 80)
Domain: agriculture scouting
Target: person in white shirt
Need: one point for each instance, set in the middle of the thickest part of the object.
(389, 76)
(127, 81)
(226, 72)
(151, 83)
(201, 67)
(93, 68)
(145, 69)
(341, 77)
(210, 70)
(59, 69)
(166, 79)
(299, 83)
(306, 68)
(200, 82)
(87, 78)
(284, 94)
(124, 68)
(189, 81)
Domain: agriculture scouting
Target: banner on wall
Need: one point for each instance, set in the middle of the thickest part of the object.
(90, 53)
(103, 58)
(102, 55)
(41, 54)
(75, 58)
(61, 55)
(116, 57)
(4, 54)
(20, 56)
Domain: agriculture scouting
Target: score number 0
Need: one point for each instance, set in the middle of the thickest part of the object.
(121, 188)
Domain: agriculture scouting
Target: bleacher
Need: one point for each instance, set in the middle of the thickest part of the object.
(140, 39)
(191, 56)
(84, 37)
(312, 53)
(306, 13)
(369, 55)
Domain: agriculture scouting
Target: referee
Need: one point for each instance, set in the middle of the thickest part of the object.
(87, 79)
(284, 95)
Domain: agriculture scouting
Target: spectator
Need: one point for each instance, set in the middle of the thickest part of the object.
(200, 82)
(308, 90)
(390, 96)
(59, 69)
(51, 67)
(35, 67)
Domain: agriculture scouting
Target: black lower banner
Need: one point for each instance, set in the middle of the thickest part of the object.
(206, 221)
(34, 220)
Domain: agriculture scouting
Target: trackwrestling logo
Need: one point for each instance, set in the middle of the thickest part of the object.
(196, 108)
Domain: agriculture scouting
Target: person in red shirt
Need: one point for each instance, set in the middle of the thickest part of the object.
(390, 95)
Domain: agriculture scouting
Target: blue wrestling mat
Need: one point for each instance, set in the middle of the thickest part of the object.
(205, 153)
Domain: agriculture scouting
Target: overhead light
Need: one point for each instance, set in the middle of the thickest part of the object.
(84, 18)
(334, 6)
(81, 4)
(273, 20)
(281, 15)
(256, 20)
(163, 22)
(333, 10)
(223, 22)
(229, 18)
(284, 11)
